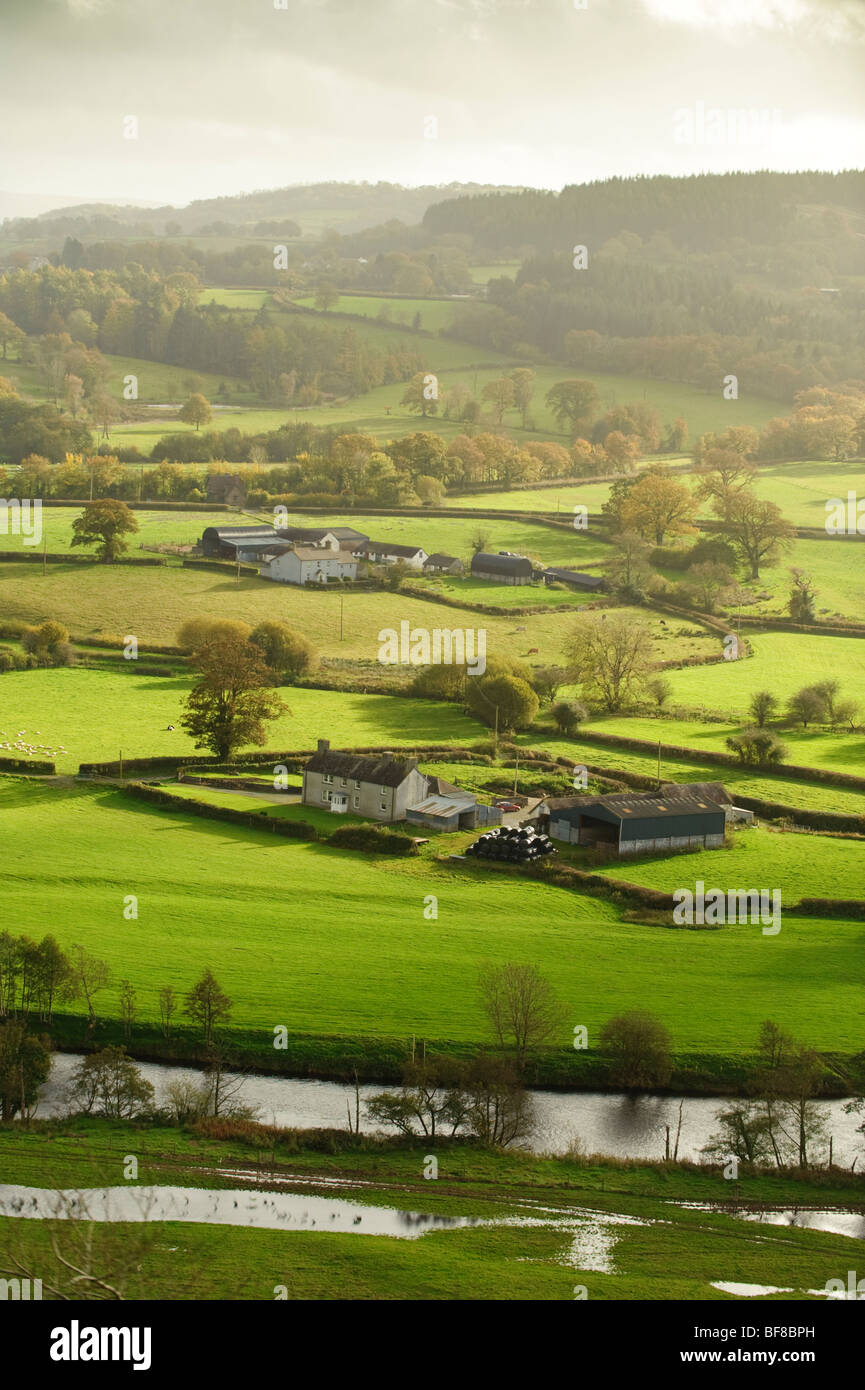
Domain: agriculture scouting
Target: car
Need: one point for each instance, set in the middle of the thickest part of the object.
(507, 806)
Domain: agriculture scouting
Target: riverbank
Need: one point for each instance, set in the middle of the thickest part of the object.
(381, 1060)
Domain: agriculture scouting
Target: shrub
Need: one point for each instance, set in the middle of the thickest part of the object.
(372, 838)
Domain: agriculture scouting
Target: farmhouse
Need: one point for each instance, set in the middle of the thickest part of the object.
(308, 564)
(591, 583)
(631, 823)
(229, 488)
(503, 569)
(389, 553)
(345, 536)
(386, 788)
(442, 564)
(381, 787)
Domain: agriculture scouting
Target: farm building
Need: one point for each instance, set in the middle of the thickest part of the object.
(710, 791)
(631, 823)
(390, 553)
(308, 564)
(503, 569)
(591, 583)
(447, 807)
(345, 536)
(443, 564)
(229, 488)
(223, 541)
(381, 786)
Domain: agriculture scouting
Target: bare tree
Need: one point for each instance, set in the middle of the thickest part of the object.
(89, 975)
(167, 1008)
(521, 1006)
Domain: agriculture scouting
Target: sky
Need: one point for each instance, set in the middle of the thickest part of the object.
(229, 96)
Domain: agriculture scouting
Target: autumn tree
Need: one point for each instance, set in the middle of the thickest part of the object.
(196, 411)
(231, 702)
(104, 524)
(500, 394)
(657, 505)
(421, 394)
(25, 1061)
(524, 389)
(573, 404)
(286, 651)
(758, 530)
(610, 655)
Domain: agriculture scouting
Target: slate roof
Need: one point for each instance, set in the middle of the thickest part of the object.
(484, 563)
(625, 806)
(443, 560)
(317, 553)
(705, 791)
(389, 548)
(577, 577)
(384, 771)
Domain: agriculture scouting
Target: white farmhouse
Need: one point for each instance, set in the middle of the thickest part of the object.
(309, 564)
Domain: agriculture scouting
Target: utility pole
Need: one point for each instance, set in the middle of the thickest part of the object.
(516, 769)
(44, 555)
(659, 764)
(121, 764)
(341, 602)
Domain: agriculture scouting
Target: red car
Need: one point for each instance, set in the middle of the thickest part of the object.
(507, 806)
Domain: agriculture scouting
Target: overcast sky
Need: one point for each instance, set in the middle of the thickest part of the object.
(232, 95)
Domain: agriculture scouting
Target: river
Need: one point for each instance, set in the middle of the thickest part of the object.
(616, 1125)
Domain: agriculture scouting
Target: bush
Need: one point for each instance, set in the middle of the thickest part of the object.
(372, 838)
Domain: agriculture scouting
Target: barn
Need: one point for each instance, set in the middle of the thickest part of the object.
(629, 823)
(575, 579)
(502, 569)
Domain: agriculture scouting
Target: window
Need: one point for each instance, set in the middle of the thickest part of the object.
(343, 782)
(328, 777)
(325, 794)
(383, 791)
(357, 786)
(356, 799)
(384, 805)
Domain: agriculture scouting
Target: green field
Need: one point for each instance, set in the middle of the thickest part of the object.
(799, 866)
(158, 383)
(435, 315)
(235, 297)
(782, 662)
(99, 600)
(787, 791)
(154, 528)
(542, 1223)
(95, 714)
(346, 948)
(455, 536)
(838, 752)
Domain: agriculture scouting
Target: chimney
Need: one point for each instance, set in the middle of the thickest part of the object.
(387, 755)
(324, 745)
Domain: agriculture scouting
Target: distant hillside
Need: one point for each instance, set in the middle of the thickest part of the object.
(349, 207)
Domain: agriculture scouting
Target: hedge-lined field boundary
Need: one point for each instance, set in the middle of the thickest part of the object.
(672, 750)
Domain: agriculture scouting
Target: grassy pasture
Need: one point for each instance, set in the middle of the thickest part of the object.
(94, 714)
(782, 662)
(154, 528)
(455, 536)
(658, 1250)
(235, 297)
(158, 382)
(787, 791)
(346, 948)
(837, 752)
(94, 600)
(436, 315)
(800, 866)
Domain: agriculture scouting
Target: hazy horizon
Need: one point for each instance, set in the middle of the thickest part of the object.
(230, 98)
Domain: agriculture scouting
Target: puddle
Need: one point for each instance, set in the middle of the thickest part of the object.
(277, 1211)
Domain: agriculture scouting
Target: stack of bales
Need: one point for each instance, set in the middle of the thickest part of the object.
(516, 845)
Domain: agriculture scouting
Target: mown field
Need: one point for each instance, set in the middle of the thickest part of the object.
(782, 662)
(633, 1242)
(797, 865)
(455, 536)
(837, 751)
(153, 602)
(343, 946)
(436, 315)
(94, 714)
(154, 528)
